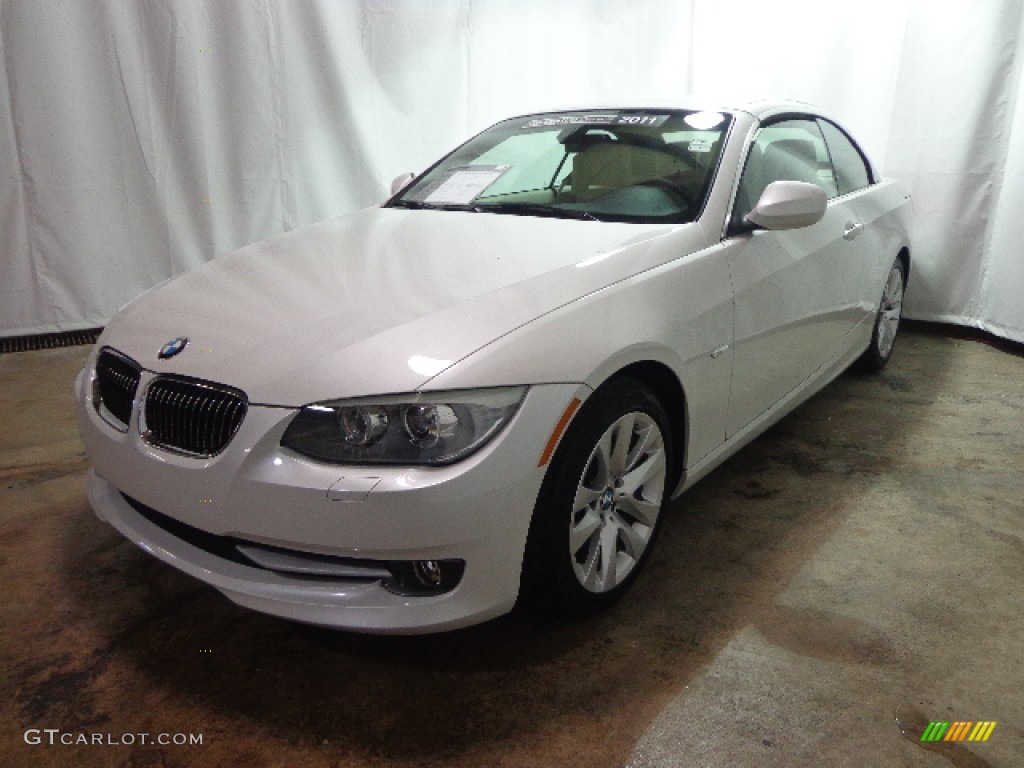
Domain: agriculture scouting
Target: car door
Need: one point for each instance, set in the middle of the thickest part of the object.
(795, 290)
(854, 181)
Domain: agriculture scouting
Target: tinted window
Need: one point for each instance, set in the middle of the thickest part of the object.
(851, 170)
(791, 150)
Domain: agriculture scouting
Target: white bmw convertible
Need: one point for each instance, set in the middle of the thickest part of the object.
(489, 388)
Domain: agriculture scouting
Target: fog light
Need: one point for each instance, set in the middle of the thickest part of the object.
(428, 572)
(424, 577)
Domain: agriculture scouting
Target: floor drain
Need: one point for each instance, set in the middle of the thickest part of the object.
(48, 340)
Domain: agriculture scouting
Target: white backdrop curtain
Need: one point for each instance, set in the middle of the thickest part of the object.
(140, 138)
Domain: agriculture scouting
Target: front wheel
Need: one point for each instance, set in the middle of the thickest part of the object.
(601, 501)
(887, 321)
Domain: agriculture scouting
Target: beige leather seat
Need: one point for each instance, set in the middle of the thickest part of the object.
(782, 160)
(603, 167)
(791, 160)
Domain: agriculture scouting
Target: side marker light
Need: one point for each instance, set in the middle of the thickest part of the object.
(556, 435)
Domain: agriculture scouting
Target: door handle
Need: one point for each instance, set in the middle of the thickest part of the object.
(852, 230)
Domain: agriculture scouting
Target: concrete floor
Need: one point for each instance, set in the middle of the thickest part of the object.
(862, 559)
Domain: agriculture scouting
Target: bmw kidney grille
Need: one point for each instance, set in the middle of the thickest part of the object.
(190, 416)
(181, 414)
(117, 378)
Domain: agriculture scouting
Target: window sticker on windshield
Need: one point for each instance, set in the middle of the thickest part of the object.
(465, 184)
(700, 145)
(646, 121)
(704, 121)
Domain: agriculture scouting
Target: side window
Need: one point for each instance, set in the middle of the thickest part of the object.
(851, 169)
(791, 150)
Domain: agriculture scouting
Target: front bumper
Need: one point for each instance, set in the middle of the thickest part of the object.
(477, 511)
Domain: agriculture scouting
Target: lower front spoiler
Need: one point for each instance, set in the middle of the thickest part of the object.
(361, 606)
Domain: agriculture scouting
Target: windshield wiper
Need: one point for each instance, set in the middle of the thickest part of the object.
(516, 209)
(418, 205)
(536, 209)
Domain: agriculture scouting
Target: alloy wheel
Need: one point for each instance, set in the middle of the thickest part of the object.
(890, 311)
(617, 502)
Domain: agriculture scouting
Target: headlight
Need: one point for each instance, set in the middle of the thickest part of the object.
(433, 428)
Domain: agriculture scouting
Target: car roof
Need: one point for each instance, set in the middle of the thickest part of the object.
(760, 109)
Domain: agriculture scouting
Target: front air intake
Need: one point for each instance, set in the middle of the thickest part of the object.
(193, 417)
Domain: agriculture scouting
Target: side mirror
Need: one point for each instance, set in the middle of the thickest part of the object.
(400, 182)
(789, 205)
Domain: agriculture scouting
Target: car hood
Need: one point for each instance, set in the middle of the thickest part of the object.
(376, 302)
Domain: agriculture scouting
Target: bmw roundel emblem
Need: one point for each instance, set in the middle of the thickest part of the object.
(172, 347)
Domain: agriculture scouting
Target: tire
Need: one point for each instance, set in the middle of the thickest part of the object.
(887, 321)
(598, 512)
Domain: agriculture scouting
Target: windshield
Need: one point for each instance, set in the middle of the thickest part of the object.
(646, 166)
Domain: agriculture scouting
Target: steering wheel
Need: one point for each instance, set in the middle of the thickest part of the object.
(667, 186)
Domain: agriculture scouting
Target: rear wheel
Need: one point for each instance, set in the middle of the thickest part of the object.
(887, 321)
(600, 505)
